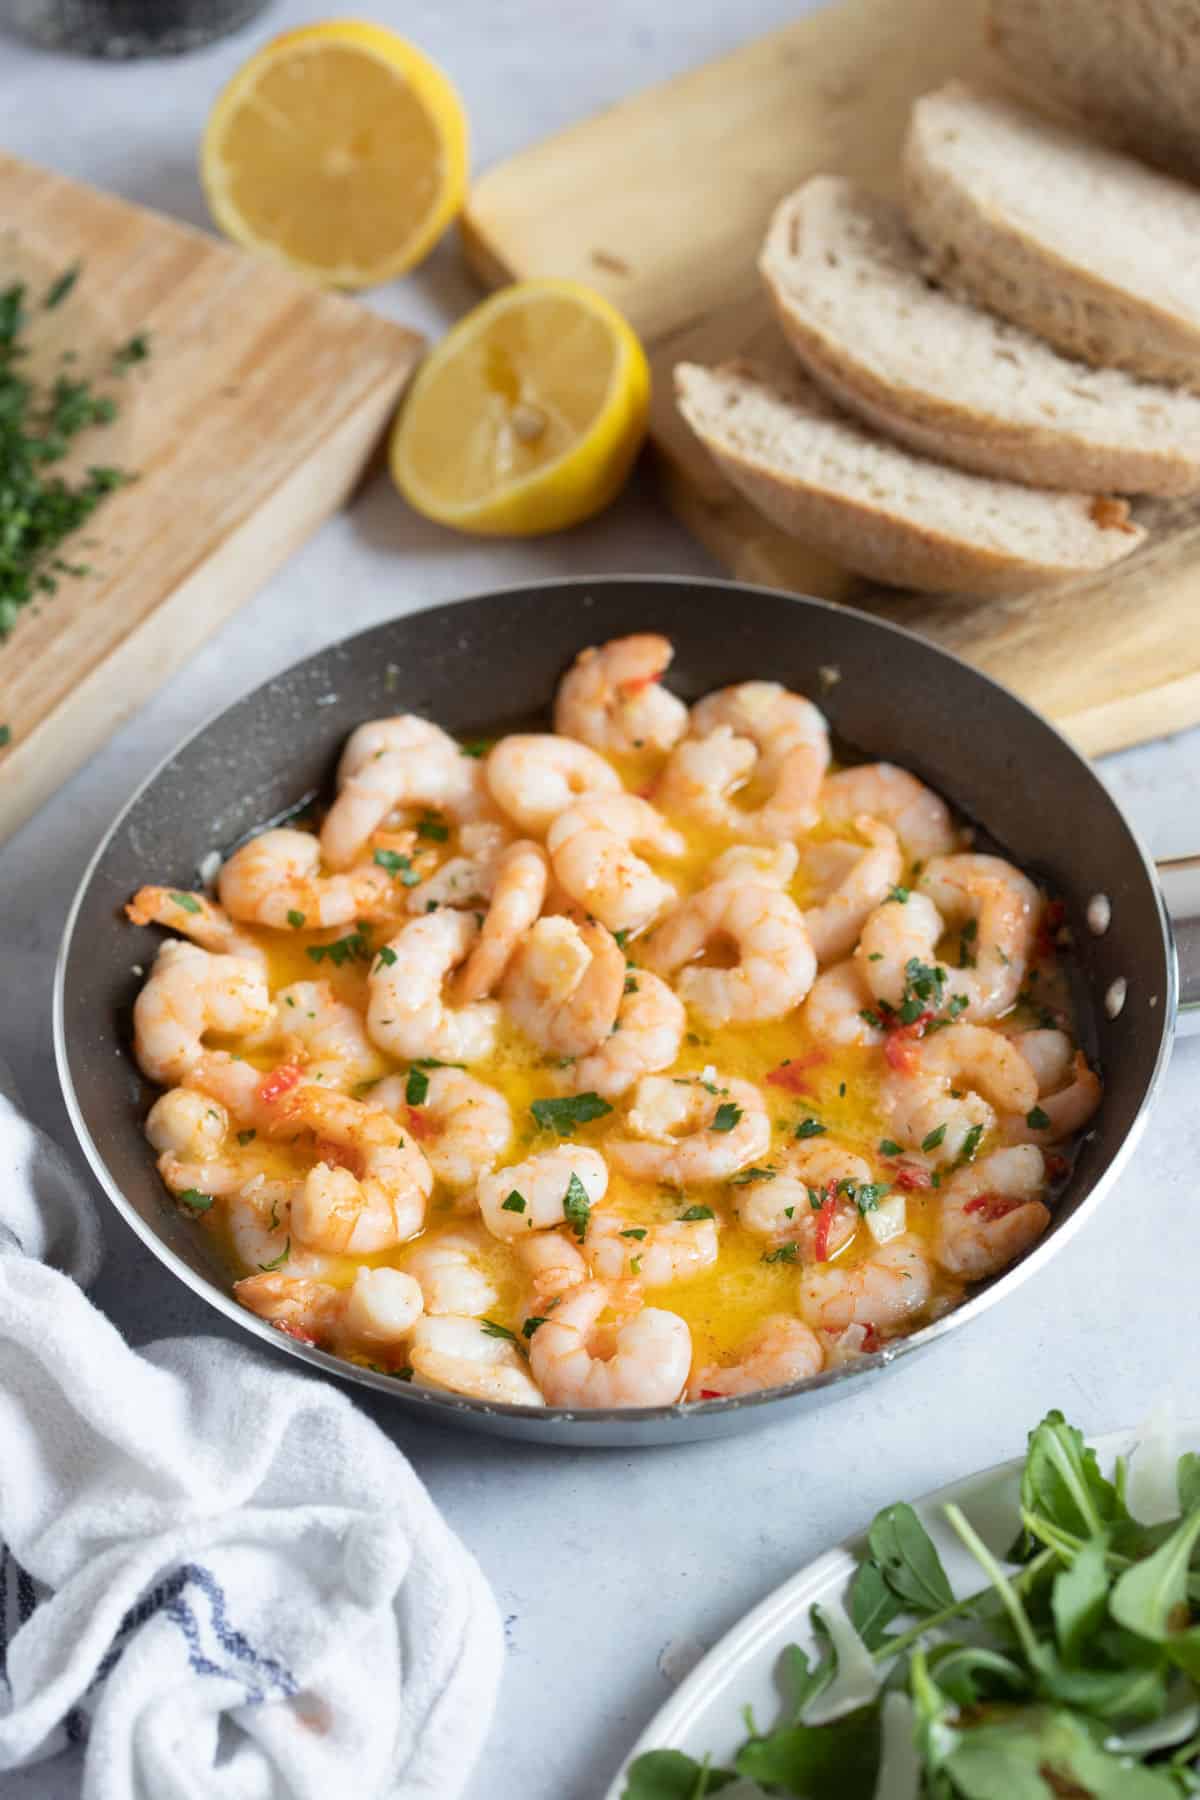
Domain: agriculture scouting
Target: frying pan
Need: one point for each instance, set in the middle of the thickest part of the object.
(490, 663)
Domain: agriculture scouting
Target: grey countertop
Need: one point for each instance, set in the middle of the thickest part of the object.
(613, 1571)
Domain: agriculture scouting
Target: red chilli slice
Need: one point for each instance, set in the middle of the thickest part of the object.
(790, 1075)
(825, 1224)
(420, 1126)
(992, 1206)
(871, 1339)
(279, 1082)
(1053, 916)
(711, 1394)
(911, 1177)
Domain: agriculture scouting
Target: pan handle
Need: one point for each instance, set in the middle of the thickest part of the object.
(1180, 878)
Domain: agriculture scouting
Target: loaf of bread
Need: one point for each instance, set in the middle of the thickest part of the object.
(1087, 248)
(882, 510)
(1129, 67)
(944, 376)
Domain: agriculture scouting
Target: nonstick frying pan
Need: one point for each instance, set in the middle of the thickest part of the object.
(490, 663)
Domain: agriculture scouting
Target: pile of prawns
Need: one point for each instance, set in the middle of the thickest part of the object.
(532, 922)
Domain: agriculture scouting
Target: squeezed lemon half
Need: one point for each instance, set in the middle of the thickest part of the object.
(527, 417)
(339, 148)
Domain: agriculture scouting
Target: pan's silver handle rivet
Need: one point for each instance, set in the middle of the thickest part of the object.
(1099, 914)
(1114, 999)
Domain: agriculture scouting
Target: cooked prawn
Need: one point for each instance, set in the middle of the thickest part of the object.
(553, 1264)
(533, 1195)
(775, 966)
(564, 985)
(518, 892)
(190, 993)
(998, 909)
(381, 737)
(428, 772)
(376, 1312)
(407, 1011)
(654, 1255)
(836, 1004)
(535, 777)
(899, 933)
(778, 723)
(953, 1085)
(375, 1205)
(459, 1356)
(591, 848)
(1068, 1094)
(648, 1365)
(611, 699)
(886, 1290)
(856, 880)
(703, 776)
(451, 1278)
(918, 816)
(765, 865)
(195, 917)
(806, 1203)
(274, 880)
(325, 1036)
(688, 1131)
(185, 1123)
(992, 1213)
(468, 877)
(645, 1037)
(463, 1126)
(780, 1351)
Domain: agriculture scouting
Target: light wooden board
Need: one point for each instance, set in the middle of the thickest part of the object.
(662, 202)
(250, 422)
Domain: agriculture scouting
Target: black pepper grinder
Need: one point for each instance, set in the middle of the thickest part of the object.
(128, 28)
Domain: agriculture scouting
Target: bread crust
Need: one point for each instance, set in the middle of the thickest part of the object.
(936, 423)
(974, 247)
(876, 540)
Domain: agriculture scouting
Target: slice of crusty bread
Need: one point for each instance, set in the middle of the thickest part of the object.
(1089, 249)
(885, 511)
(946, 377)
(1129, 67)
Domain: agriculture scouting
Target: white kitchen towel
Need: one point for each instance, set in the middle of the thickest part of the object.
(216, 1574)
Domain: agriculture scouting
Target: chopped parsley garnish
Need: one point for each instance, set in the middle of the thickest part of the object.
(490, 1328)
(621, 938)
(514, 1203)
(531, 1325)
(745, 1175)
(475, 747)
(695, 1213)
(5, 736)
(188, 902)
(786, 1253)
(432, 828)
(635, 1265)
(387, 956)
(135, 350)
(888, 1147)
(970, 1144)
(726, 1116)
(278, 1261)
(416, 1087)
(354, 947)
(631, 986)
(870, 1018)
(58, 290)
(295, 919)
(247, 1137)
(935, 1138)
(577, 1208)
(923, 986)
(1037, 1120)
(899, 894)
(810, 1128)
(195, 1201)
(868, 1194)
(564, 1115)
(396, 864)
(966, 944)
(635, 1231)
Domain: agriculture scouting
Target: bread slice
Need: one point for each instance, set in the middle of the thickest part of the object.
(1132, 70)
(1085, 247)
(882, 510)
(946, 377)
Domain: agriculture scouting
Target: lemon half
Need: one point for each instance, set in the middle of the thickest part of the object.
(341, 149)
(527, 417)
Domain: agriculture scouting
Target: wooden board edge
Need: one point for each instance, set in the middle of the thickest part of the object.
(160, 644)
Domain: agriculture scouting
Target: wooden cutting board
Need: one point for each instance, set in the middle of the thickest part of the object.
(662, 202)
(251, 420)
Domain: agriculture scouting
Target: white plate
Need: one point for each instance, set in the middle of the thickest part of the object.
(704, 1715)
